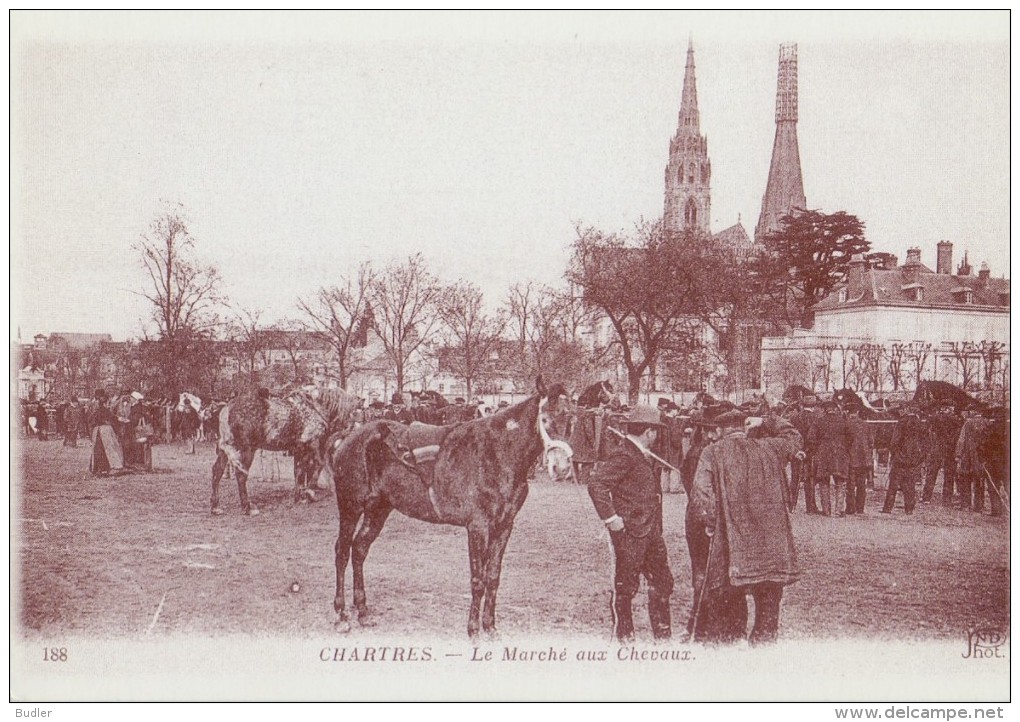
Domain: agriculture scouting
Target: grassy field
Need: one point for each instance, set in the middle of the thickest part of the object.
(120, 557)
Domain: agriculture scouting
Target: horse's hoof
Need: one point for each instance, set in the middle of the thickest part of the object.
(367, 620)
(342, 626)
(216, 511)
(310, 495)
(252, 512)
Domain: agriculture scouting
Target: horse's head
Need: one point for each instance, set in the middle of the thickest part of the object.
(555, 413)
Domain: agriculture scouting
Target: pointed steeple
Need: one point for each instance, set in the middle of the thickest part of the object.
(688, 172)
(689, 116)
(785, 188)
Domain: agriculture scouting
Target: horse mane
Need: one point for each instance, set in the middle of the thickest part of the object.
(337, 404)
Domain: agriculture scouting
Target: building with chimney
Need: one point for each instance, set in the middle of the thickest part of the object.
(889, 326)
(784, 190)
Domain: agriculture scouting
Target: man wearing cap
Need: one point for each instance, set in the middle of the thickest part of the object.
(908, 449)
(627, 498)
(739, 532)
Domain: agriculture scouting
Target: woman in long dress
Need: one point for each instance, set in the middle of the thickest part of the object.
(107, 453)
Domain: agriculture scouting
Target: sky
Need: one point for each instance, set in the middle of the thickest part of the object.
(301, 144)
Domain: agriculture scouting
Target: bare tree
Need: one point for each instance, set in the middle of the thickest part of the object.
(249, 341)
(789, 369)
(991, 353)
(337, 314)
(404, 299)
(651, 290)
(895, 358)
(184, 295)
(822, 361)
(967, 359)
(472, 333)
(918, 353)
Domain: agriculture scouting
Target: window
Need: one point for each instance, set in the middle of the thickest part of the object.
(442, 388)
(842, 295)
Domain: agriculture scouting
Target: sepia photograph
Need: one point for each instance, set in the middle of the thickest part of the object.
(511, 356)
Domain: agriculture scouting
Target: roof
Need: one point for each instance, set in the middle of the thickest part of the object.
(734, 236)
(80, 340)
(889, 288)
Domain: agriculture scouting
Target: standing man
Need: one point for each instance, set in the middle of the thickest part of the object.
(830, 446)
(971, 474)
(627, 498)
(908, 449)
(945, 429)
(73, 416)
(738, 508)
(802, 471)
(862, 462)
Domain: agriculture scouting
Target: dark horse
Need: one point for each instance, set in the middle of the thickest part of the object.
(598, 394)
(473, 474)
(298, 422)
(941, 393)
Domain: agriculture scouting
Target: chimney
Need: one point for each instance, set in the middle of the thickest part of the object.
(912, 266)
(984, 274)
(893, 262)
(855, 277)
(964, 268)
(944, 265)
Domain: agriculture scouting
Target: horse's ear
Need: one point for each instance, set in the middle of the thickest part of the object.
(540, 386)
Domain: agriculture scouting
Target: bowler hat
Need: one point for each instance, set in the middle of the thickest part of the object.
(643, 414)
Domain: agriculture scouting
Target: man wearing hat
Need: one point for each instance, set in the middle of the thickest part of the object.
(738, 529)
(627, 498)
(908, 449)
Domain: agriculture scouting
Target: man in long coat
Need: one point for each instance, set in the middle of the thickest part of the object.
(628, 500)
(971, 475)
(738, 508)
(802, 472)
(862, 447)
(909, 447)
(829, 440)
(945, 428)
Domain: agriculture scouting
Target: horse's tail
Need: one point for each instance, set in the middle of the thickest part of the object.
(226, 441)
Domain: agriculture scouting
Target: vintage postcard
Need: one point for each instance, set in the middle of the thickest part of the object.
(511, 356)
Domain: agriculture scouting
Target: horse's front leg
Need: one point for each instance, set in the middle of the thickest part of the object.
(371, 525)
(247, 457)
(219, 466)
(343, 553)
(493, 569)
(478, 549)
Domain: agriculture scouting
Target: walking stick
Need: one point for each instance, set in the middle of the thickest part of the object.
(651, 455)
(701, 592)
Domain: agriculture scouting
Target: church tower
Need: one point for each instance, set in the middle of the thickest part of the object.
(785, 188)
(688, 198)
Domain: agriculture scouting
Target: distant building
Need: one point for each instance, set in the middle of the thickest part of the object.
(889, 326)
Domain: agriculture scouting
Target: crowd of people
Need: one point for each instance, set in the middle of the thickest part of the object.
(744, 470)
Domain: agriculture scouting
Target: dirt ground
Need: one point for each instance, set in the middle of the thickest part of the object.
(120, 557)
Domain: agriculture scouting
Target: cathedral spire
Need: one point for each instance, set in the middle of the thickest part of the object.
(785, 188)
(688, 172)
(689, 97)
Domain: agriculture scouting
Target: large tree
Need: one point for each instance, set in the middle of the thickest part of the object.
(472, 334)
(337, 313)
(804, 260)
(184, 296)
(405, 299)
(655, 289)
